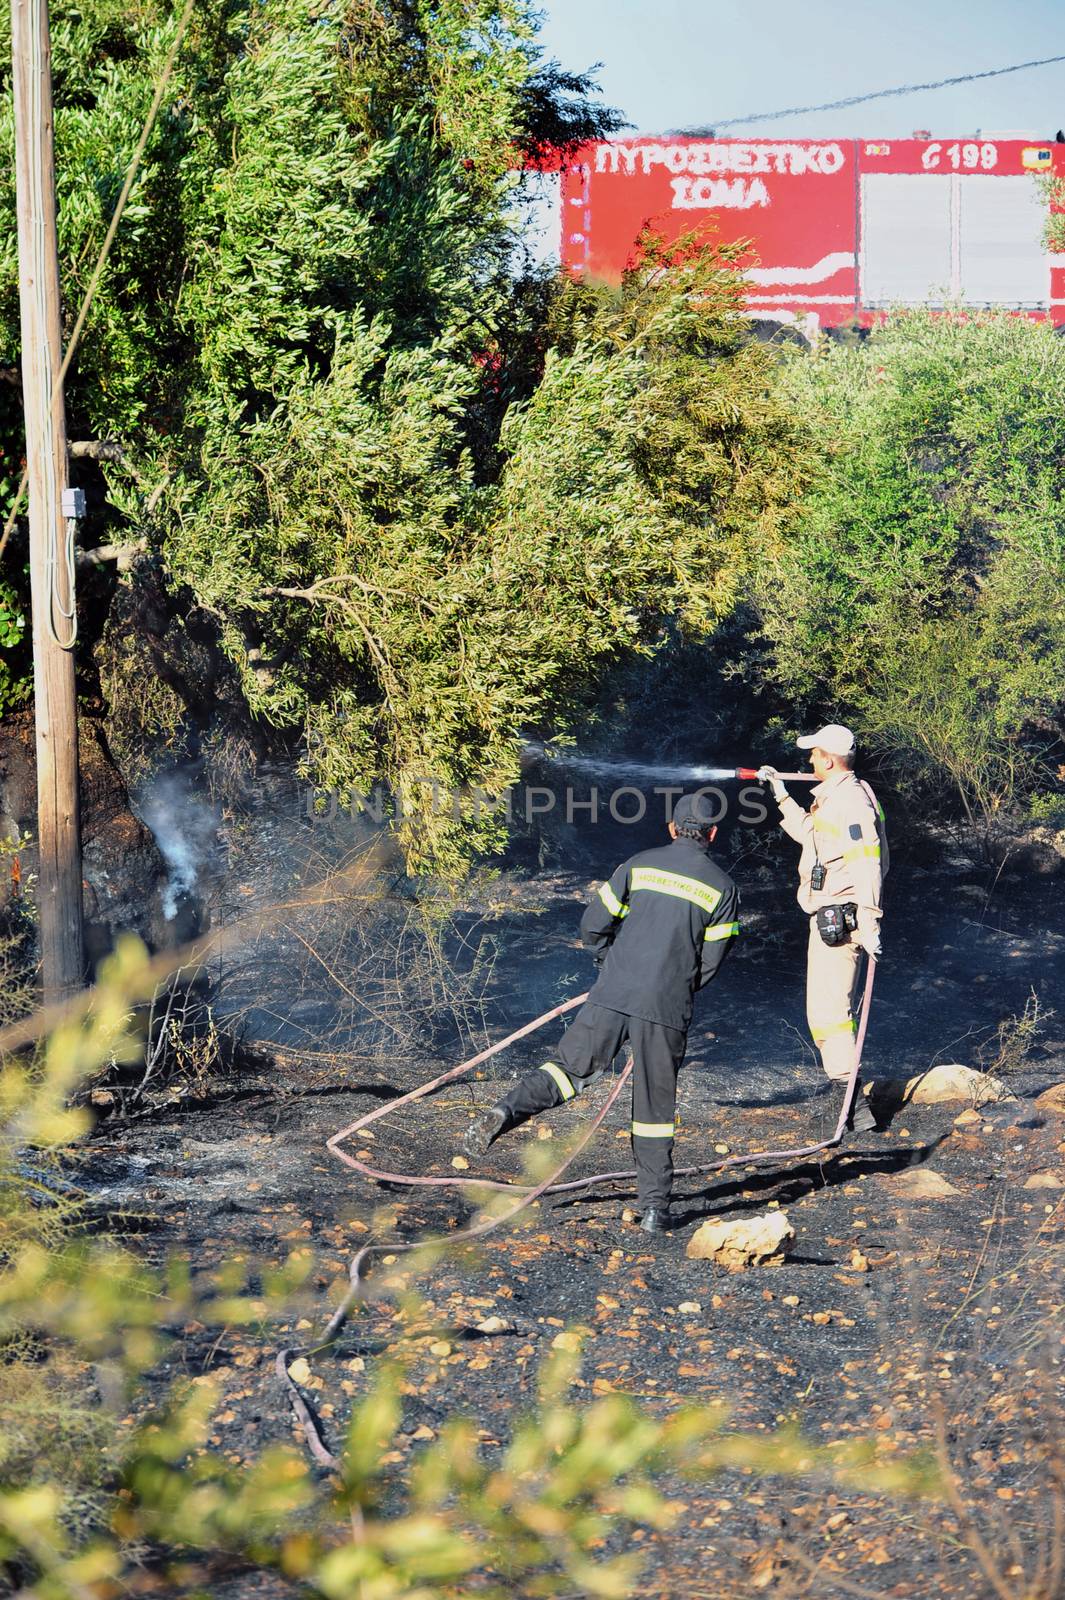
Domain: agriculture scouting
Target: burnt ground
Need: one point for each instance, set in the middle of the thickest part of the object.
(891, 1310)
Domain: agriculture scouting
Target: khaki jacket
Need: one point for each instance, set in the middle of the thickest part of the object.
(844, 829)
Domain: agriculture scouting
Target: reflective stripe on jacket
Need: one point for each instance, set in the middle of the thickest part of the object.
(663, 923)
(844, 830)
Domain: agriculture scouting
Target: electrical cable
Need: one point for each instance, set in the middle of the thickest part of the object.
(878, 94)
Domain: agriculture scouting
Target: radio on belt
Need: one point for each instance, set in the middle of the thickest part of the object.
(73, 503)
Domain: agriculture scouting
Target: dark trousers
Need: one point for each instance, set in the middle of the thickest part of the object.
(587, 1048)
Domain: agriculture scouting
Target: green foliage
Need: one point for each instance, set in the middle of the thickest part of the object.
(12, 619)
(85, 1501)
(18, 944)
(557, 114)
(15, 681)
(146, 716)
(1053, 191)
(923, 594)
(16, 649)
(423, 503)
(648, 459)
(473, 68)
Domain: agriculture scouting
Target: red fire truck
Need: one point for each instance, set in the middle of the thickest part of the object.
(841, 229)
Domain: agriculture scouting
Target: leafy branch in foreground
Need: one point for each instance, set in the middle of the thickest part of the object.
(523, 1519)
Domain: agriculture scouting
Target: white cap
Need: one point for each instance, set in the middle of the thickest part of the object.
(833, 738)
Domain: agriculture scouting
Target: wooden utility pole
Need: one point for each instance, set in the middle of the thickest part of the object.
(51, 573)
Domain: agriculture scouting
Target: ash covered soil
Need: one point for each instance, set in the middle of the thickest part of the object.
(901, 1316)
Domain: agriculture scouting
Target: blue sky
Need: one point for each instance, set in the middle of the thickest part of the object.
(683, 63)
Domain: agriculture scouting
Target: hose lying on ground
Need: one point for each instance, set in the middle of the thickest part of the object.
(408, 1180)
(526, 1194)
(357, 1289)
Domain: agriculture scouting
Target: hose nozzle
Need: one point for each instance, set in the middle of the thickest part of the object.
(750, 775)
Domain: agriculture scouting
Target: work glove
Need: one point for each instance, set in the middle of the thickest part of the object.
(868, 932)
(771, 776)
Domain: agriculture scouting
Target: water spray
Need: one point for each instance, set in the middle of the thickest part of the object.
(556, 1183)
(653, 770)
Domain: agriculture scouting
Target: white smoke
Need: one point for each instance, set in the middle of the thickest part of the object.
(184, 826)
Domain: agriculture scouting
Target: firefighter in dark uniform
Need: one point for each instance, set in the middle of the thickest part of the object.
(660, 929)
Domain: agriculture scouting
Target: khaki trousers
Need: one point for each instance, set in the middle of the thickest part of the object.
(832, 983)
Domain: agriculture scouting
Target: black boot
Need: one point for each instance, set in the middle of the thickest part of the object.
(484, 1130)
(861, 1119)
(658, 1219)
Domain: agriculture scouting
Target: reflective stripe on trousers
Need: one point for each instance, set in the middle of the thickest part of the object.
(590, 1043)
(820, 1031)
(833, 974)
(565, 1087)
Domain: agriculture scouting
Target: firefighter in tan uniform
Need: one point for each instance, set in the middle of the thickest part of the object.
(841, 869)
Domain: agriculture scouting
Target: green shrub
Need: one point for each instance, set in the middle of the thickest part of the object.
(923, 593)
(421, 501)
(15, 681)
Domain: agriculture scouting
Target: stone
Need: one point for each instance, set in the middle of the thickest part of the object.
(1051, 1179)
(951, 1081)
(917, 1183)
(1052, 1100)
(1040, 852)
(738, 1242)
(968, 1119)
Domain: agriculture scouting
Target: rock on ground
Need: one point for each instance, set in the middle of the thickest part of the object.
(738, 1242)
(942, 1084)
(1049, 1179)
(1052, 1100)
(917, 1183)
(1041, 850)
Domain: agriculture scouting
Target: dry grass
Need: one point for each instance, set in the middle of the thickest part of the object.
(50, 1429)
(18, 962)
(1008, 1049)
(982, 1390)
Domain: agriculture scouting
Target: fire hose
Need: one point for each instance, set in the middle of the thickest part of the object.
(525, 1194)
(751, 774)
(378, 1175)
(408, 1180)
